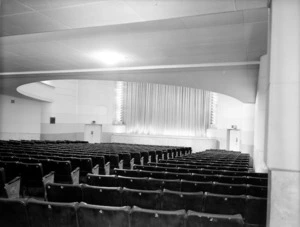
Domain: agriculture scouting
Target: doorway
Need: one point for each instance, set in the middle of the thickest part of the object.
(92, 133)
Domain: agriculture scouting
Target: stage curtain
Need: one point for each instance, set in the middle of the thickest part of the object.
(157, 109)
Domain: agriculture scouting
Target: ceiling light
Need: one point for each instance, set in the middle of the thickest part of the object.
(109, 57)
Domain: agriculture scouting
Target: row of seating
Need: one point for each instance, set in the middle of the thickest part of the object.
(193, 176)
(200, 166)
(146, 183)
(157, 168)
(251, 208)
(34, 213)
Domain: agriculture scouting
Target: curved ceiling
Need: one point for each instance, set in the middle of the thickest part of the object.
(199, 43)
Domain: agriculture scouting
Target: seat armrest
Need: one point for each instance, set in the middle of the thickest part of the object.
(13, 188)
(75, 175)
(156, 158)
(142, 161)
(121, 163)
(107, 168)
(49, 178)
(131, 163)
(95, 169)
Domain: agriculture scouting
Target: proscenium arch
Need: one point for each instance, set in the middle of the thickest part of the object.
(235, 80)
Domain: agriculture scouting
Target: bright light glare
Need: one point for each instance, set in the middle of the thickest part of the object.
(109, 57)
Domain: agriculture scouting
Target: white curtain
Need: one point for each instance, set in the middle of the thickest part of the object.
(156, 109)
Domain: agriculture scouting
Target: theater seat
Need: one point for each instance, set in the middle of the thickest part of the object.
(257, 191)
(13, 213)
(133, 182)
(156, 218)
(65, 193)
(103, 180)
(224, 204)
(50, 214)
(229, 189)
(174, 200)
(149, 199)
(196, 186)
(9, 189)
(156, 184)
(104, 196)
(256, 210)
(33, 179)
(102, 216)
(197, 219)
(127, 172)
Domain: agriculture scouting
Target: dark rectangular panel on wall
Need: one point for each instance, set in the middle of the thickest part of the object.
(52, 120)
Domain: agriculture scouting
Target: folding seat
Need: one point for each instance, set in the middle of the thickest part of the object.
(126, 157)
(50, 214)
(13, 213)
(261, 175)
(12, 169)
(102, 216)
(183, 176)
(114, 161)
(64, 173)
(103, 180)
(127, 172)
(257, 181)
(197, 219)
(33, 179)
(196, 186)
(224, 204)
(174, 200)
(232, 179)
(156, 184)
(229, 189)
(159, 155)
(257, 191)
(149, 199)
(153, 174)
(104, 196)
(145, 155)
(256, 211)
(9, 189)
(100, 161)
(152, 156)
(86, 166)
(133, 182)
(137, 158)
(65, 193)
(204, 177)
(156, 218)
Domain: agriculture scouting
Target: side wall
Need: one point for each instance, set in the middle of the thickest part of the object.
(231, 111)
(77, 103)
(19, 120)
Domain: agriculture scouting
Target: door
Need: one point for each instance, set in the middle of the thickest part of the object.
(234, 140)
(92, 133)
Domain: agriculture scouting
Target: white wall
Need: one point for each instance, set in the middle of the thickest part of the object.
(76, 103)
(19, 120)
(231, 111)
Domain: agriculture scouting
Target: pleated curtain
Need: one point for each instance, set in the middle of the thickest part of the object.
(157, 109)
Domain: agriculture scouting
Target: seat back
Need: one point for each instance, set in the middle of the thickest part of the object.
(257, 191)
(156, 218)
(174, 200)
(224, 204)
(103, 180)
(50, 214)
(63, 171)
(13, 213)
(133, 182)
(127, 172)
(12, 169)
(197, 219)
(256, 210)
(229, 189)
(95, 216)
(104, 196)
(149, 199)
(65, 193)
(196, 186)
